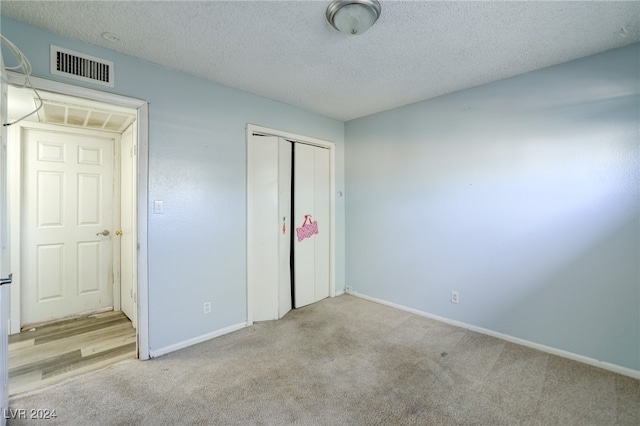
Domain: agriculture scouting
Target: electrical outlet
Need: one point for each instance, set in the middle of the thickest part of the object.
(207, 307)
(348, 290)
(455, 297)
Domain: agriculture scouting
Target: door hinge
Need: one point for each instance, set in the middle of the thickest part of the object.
(7, 280)
(135, 150)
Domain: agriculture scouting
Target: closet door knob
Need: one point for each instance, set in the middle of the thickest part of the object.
(118, 232)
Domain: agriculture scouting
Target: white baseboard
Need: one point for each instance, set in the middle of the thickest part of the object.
(162, 351)
(548, 349)
(339, 292)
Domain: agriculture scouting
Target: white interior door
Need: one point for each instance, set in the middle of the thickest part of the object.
(128, 249)
(68, 224)
(269, 225)
(284, 234)
(311, 198)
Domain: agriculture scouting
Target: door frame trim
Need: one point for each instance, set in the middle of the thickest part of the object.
(331, 146)
(142, 124)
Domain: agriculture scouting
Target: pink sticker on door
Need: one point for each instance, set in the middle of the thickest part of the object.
(307, 229)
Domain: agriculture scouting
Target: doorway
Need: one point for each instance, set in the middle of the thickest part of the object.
(112, 127)
(66, 198)
(290, 186)
(141, 131)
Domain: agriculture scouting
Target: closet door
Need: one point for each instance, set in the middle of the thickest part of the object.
(284, 239)
(311, 208)
(269, 226)
(263, 224)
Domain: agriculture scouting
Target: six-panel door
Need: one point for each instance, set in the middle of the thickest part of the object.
(67, 228)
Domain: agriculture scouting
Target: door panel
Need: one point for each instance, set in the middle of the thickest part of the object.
(284, 214)
(128, 243)
(263, 226)
(50, 272)
(311, 197)
(269, 226)
(304, 204)
(322, 215)
(5, 249)
(90, 194)
(67, 200)
(90, 267)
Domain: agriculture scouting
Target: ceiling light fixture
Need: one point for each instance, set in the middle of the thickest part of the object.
(353, 17)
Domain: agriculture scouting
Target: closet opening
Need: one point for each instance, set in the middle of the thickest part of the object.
(290, 222)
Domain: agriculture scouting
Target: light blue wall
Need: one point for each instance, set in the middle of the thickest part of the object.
(197, 165)
(523, 195)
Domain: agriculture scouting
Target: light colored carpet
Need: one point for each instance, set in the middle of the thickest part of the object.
(345, 361)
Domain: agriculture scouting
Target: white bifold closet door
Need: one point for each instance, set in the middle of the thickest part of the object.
(311, 197)
(285, 228)
(269, 224)
(272, 232)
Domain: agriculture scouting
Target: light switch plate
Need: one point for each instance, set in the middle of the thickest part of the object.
(158, 207)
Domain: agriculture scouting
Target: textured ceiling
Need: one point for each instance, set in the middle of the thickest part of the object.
(288, 51)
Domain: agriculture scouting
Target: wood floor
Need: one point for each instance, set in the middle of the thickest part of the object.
(52, 353)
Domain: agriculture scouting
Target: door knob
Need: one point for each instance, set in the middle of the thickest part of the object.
(105, 232)
(118, 232)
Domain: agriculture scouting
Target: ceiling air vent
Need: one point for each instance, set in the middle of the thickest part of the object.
(81, 67)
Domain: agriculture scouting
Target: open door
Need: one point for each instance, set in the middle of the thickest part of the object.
(4, 252)
(128, 231)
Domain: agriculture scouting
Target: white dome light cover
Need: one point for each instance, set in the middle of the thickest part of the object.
(353, 17)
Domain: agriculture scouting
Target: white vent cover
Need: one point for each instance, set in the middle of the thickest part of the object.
(79, 66)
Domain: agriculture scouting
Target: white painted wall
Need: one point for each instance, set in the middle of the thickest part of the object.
(523, 195)
(197, 166)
